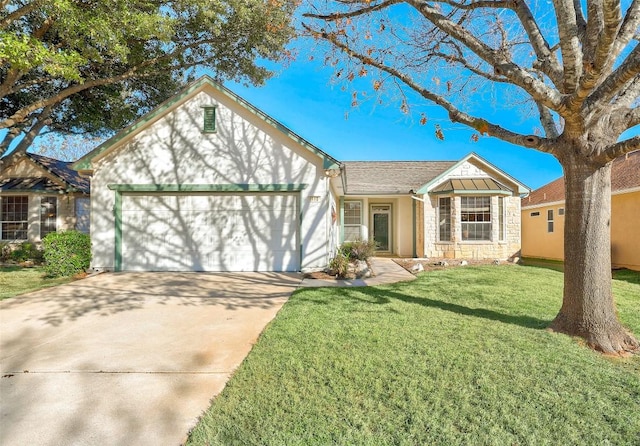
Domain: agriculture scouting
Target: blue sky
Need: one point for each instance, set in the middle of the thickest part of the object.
(302, 97)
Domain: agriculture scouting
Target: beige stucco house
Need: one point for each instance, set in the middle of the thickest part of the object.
(39, 195)
(207, 182)
(543, 216)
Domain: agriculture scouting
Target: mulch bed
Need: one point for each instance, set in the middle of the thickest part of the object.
(434, 264)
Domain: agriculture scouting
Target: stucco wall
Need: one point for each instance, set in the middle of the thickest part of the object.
(243, 150)
(625, 237)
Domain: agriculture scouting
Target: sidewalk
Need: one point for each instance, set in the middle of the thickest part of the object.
(384, 269)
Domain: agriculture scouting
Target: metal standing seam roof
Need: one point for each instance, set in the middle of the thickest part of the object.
(469, 184)
(390, 177)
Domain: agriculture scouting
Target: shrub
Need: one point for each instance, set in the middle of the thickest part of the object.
(26, 251)
(359, 249)
(339, 265)
(66, 253)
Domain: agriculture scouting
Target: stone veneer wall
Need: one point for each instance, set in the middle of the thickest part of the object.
(458, 249)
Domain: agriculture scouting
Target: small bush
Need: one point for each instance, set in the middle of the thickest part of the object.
(26, 251)
(359, 249)
(66, 253)
(339, 265)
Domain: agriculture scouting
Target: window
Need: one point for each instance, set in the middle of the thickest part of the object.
(48, 215)
(535, 214)
(444, 218)
(15, 217)
(550, 220)
(475, 215)
(561, 211)
(352, 220)
(209, 119)
(501, 218)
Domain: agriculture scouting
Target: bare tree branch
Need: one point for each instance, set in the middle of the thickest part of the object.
(502, 65)
(547, 61)
(628, 29)
(625, 73)
(547, 121)
(455, 115)
(581, 23)
(354, 13)
(616, 150)
(569, 43)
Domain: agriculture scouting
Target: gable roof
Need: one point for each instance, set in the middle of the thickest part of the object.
(61, 170)
(389, 177)
(85, 163)
(625, 175)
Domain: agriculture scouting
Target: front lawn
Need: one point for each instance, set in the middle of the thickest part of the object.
(16, 280)
(458, 356)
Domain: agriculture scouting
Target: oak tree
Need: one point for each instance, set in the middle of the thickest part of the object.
(75, 66)
(575, 63)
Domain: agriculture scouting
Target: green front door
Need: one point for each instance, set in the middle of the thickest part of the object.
(381, 219)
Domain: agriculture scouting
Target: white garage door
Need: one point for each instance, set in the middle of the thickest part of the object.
(210, 232)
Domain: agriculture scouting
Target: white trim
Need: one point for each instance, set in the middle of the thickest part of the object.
(626, 191)
(543, 205)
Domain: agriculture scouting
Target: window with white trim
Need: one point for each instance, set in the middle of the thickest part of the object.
(475, 217)
(48, 215)
(444, 219)
(352, 220)
(550, 220)
(15, 217)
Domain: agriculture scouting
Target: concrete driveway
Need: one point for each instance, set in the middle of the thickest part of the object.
(127, 358)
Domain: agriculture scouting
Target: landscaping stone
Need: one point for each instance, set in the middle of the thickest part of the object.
(417, 268)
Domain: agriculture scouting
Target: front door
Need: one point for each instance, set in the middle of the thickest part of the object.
(381, 227)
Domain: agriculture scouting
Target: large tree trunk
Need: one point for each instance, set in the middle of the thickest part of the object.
(587, 309)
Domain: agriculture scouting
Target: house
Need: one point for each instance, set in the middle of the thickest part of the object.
(39, 195)
(207, 182)
(543, 216)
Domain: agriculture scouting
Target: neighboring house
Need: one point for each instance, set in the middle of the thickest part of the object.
(207, 182)
(39, 195)
(543, 216)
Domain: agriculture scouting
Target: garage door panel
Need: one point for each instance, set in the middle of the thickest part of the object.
(214, 232)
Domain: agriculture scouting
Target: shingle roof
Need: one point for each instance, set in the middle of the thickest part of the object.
(63, 170)
(41, 184)
(625, 174)
(59, 169)
(390, 177)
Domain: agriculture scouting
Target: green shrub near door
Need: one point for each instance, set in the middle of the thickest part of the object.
(66, 253)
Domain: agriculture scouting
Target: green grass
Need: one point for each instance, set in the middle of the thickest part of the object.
(456, 357)
(15, 280)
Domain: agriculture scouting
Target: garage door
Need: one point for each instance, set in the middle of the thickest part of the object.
(210, 232)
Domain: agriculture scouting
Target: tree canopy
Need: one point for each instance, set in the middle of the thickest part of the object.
(93, 66)
(576, 64)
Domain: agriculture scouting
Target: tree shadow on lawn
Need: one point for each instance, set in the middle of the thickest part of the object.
(382, 296)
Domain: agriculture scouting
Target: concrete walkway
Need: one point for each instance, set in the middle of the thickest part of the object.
(385, 271)
(127, 358)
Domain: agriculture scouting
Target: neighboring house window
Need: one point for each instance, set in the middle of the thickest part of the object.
(501, 218)
(561, 211)
(550, 220)
(209, 119)
(48, 215)
(15, 217)
(444, 218)
(352, 220)
(535, 214)
(475, 215)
